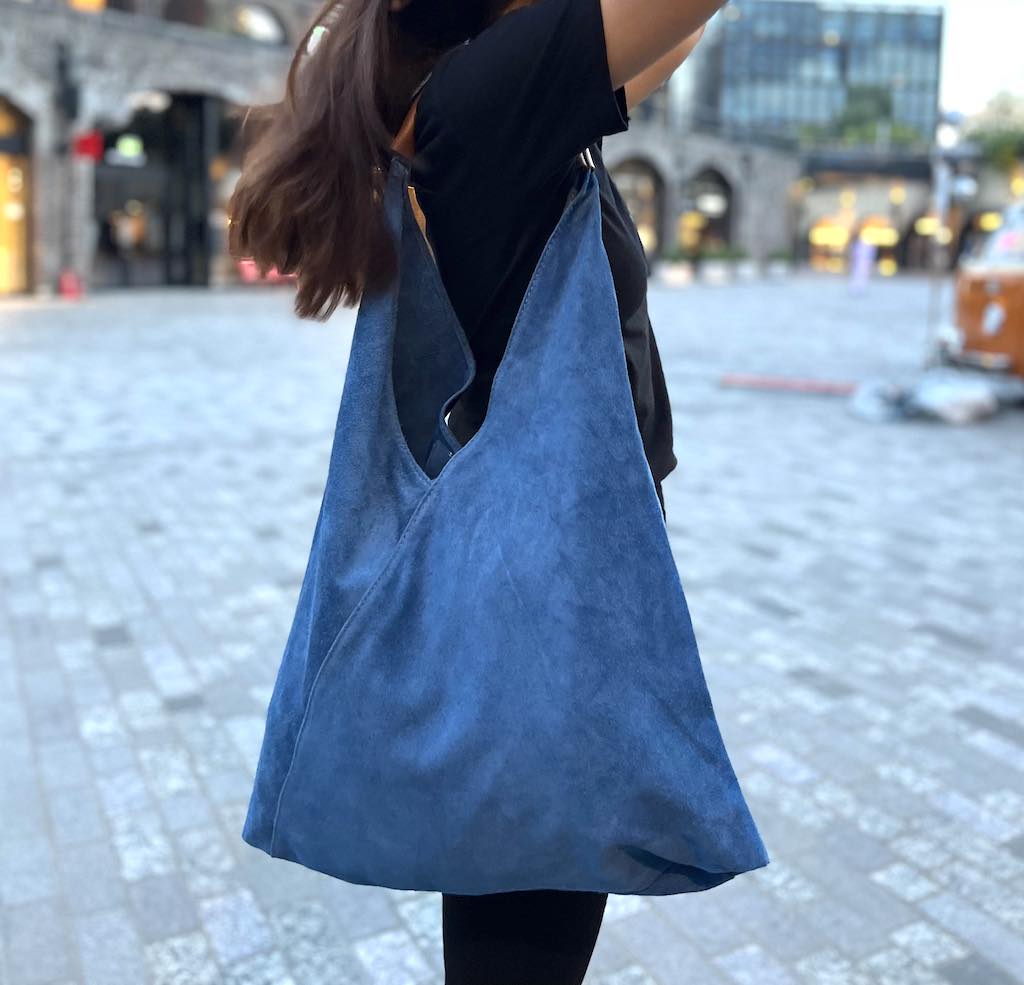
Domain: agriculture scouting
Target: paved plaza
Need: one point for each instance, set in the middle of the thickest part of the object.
(856, 589)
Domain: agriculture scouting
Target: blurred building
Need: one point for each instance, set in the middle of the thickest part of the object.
(116, 125)
(823, 73)
(117, 156)
(696, 194)
(847, 94)
(794, 126)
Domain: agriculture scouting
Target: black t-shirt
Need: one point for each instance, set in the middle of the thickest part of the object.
(498, 130)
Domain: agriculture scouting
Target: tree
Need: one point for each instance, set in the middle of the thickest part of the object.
(998, 131)
(866, 120)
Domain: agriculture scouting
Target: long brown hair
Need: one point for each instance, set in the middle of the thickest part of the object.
(308, 199)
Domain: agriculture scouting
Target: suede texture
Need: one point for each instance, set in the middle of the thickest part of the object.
(492, 682)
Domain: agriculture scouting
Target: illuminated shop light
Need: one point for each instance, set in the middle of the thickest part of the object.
(989, 222)
(128, 151)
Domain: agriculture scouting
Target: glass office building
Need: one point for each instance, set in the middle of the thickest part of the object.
(821, 74)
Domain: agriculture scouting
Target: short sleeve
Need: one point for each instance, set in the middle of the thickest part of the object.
(533, 89)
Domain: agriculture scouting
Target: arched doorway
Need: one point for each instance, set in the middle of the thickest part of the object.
(828, 242)
(643, 191)
(919, 239)
(159, 191)
(705, 225)
(15, 198)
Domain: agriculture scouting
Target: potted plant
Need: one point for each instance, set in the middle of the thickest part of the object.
(778, 263)
(745, 266)
(675, 267)
(718, 263)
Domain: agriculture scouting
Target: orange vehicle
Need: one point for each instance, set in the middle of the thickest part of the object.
(988, 331)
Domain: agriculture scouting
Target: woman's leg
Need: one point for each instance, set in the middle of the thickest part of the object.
(530, 937)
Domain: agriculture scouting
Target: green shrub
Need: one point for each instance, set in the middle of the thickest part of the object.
(723, 253)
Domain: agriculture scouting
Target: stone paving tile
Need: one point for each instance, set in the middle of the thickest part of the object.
(37, 945)
(391, 958)
(752, 965)
(75, 815)
(421, 915)
(852, 592)
(260, 969)
(974, 970)
(612, 954)
(316, 947)
(162, 907)
(235, 924)
(829, 967)
(633, 975)
(184, 960)
(986, 934)
(27, 870)
(652, 940)
(893, 966)
(91, 878)
(905, 881)
(109, 949)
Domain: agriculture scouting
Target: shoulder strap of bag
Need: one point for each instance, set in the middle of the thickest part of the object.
(404, 144)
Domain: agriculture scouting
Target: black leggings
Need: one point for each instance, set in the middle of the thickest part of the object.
(529, 937)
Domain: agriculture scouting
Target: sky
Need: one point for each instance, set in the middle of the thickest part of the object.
(983, 50)
(983, 45)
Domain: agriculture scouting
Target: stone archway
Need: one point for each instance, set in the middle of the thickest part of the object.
(643, 189)
(707, 223)
(16, 190)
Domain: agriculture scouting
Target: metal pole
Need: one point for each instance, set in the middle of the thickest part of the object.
(942, 179)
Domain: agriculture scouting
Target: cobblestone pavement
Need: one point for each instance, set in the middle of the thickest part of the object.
(856, 590)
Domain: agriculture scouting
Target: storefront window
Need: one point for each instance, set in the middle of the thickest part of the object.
(161, 192)
(191, 12)
(15, 187)
(96, 6)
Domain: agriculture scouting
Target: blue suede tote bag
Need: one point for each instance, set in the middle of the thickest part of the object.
(491, 682)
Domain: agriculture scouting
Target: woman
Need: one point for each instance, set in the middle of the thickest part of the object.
(513, 92)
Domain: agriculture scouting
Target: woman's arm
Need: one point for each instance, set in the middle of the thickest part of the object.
(641, 86)
(639, 35)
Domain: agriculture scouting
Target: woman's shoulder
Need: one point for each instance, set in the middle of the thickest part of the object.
(430, 118)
